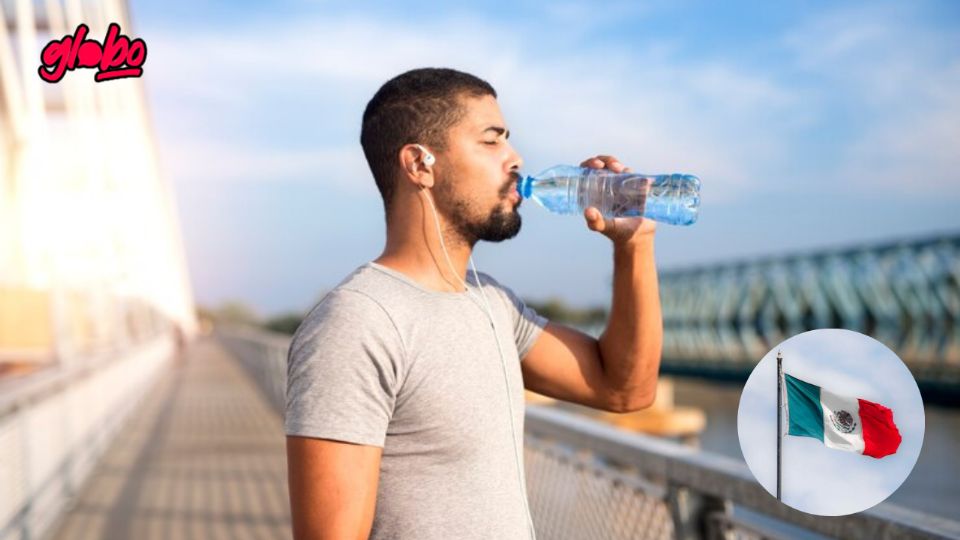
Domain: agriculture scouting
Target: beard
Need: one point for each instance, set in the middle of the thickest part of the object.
(498, 225)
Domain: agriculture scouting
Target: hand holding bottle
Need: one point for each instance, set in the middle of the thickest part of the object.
(618, 229)
(616, 191)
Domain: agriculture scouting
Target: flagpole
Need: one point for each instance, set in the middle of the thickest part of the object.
(779, 416)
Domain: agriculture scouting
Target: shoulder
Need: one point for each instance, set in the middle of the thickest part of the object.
(343, 305)
(345, 313)
(489, 283)
(347, 330)
(356, 295)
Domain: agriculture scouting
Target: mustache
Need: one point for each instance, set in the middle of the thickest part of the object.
(512, 184)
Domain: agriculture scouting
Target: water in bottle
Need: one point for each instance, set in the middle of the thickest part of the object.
(564, 189)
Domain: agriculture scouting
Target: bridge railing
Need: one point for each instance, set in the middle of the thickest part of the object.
(586, 479)
(55, 424)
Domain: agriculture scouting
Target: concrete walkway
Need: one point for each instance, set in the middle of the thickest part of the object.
(202, 457)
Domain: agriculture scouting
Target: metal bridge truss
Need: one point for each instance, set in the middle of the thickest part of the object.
(723, 319)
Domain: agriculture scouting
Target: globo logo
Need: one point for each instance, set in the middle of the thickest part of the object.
(116, 58)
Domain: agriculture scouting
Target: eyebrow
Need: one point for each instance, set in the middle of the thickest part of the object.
(499, 131)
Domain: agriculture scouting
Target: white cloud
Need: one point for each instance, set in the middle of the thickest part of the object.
(205, 160)
(915, 151)
(734, 127)
(657, 114)
(900, 84)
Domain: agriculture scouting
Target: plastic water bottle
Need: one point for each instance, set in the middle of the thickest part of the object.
(565, 189)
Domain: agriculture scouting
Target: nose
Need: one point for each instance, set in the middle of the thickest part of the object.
(516, 162)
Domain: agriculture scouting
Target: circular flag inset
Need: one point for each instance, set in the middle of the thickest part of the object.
(831, 422)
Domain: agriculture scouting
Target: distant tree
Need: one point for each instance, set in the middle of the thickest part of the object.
(205, 314)
(557, 310)
(236, 312)
(285, 324)
(205, 319)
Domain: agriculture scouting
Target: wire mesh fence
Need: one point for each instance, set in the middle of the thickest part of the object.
(574, 496)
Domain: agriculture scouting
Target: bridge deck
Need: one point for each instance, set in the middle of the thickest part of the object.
(202, 457)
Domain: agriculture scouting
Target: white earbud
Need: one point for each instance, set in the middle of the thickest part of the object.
(428, 158)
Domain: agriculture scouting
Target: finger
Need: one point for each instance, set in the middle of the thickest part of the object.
(593, 163)
(611, 162)
(594, 219)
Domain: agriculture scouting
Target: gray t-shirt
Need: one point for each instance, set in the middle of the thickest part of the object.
(384, 361)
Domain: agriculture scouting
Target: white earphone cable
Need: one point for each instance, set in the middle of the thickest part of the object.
(503, 362)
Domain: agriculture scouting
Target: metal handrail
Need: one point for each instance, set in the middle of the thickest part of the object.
(19, 392)
(722, 479)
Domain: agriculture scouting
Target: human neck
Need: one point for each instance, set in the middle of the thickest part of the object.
(415, 250)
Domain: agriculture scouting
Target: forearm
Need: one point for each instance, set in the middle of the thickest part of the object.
(632, 342)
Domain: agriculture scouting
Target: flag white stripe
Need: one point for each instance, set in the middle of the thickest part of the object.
(837, 429)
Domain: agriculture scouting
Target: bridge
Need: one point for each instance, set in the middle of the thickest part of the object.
(118, 419)
(720, 319)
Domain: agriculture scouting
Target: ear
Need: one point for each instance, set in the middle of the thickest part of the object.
(417, 164)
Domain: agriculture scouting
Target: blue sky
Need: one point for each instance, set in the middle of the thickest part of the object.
(815, 478)
(811, 125)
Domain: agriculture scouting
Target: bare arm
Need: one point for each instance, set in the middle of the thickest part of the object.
(619, 371)
(333, 488)
(632, 342)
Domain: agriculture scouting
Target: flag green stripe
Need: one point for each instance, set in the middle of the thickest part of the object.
(803, 405)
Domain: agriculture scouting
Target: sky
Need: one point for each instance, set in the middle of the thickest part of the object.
(817, 479)
(812, 125)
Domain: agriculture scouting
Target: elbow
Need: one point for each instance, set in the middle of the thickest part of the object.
(638, 394)
(633, 402)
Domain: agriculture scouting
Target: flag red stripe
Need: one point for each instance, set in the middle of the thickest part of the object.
(880, 435)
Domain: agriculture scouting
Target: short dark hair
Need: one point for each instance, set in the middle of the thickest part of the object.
(418, 106)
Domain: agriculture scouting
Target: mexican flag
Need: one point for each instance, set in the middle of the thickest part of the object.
(841, 422)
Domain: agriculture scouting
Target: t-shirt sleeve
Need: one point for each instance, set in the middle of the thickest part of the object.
(343, 368)
(527, 323)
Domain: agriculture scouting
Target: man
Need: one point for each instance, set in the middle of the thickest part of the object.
(404, 409)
